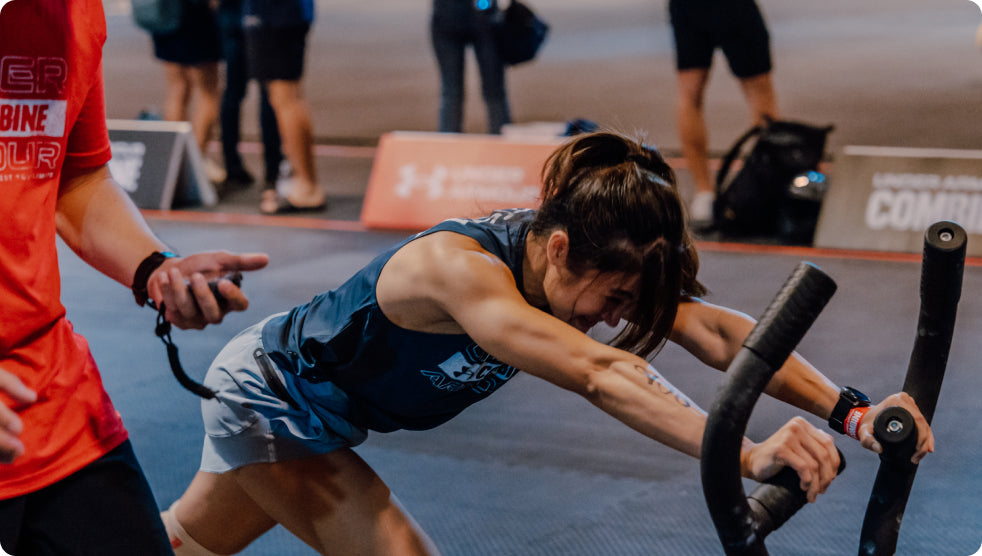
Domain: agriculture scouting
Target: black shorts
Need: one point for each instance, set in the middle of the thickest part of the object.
(196, 41)
(276, 52)
(735, 26)
(104, 509)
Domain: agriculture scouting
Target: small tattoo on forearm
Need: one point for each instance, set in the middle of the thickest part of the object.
(655, 378)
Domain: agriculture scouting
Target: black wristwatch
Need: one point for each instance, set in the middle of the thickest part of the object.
(849, 399)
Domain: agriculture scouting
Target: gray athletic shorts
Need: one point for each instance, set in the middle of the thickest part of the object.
(247, 422)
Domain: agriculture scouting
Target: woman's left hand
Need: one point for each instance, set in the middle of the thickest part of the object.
(925, 438)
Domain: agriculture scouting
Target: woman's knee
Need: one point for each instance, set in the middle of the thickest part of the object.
(217, 515)
(183, 543)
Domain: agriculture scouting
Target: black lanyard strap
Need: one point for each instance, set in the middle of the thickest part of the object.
(162, 331)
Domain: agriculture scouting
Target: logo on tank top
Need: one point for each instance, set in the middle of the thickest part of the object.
(471, 368)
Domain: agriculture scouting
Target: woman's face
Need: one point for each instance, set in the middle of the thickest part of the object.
(583, 300)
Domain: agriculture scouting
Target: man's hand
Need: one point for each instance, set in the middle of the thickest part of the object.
(925, 438)
(196, 307)
(800, 446)
(10, 425)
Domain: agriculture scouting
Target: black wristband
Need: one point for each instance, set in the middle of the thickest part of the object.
(143, 272)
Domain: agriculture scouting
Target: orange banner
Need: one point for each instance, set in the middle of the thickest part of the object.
(419, 179)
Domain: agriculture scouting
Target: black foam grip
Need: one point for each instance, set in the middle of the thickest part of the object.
(896, 431)
(790, 314)
(941, 270)
(776, 499)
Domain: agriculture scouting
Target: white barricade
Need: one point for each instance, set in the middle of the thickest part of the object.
(884, 198)
(159, 164)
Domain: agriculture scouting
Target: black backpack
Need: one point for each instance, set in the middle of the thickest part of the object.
(519, 33)
(749, 200)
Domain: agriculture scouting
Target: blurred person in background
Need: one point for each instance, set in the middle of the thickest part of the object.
(190, 55)
(276, 43)
(454, 25)
(736, 27)
(236, 82)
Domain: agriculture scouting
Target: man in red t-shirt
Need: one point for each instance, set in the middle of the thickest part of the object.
(69, 482)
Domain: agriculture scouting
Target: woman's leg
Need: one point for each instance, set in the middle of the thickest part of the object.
(217, 515)
(205, 80)
(334, 502)
(296, 133)
(177, 94)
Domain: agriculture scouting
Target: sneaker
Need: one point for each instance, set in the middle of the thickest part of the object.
(274, 203)
(701, 208)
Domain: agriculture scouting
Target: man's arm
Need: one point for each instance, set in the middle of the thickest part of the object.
(101, 224)
(97, 219)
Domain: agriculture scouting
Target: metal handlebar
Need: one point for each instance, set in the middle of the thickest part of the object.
(942, 268)
(742, 522)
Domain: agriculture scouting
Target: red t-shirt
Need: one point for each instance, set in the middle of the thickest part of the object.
(52, 117)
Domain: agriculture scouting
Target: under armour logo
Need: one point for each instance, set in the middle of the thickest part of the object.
(410, 179)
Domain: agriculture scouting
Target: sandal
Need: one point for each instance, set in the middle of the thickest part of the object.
(273, 203)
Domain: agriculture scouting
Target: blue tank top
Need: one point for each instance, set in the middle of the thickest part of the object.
(396, 378)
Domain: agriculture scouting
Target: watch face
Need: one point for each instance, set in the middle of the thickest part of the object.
(854, 395)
